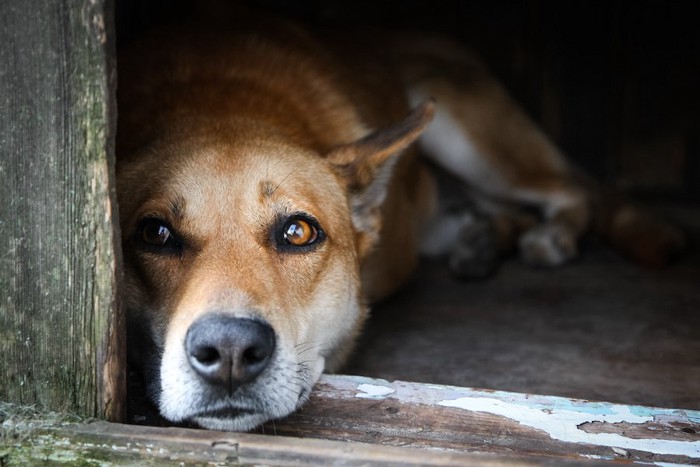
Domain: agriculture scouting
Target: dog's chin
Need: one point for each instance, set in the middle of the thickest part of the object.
(231, 420)
(186, 398)
(238, 419)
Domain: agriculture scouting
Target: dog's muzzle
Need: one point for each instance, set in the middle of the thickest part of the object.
(233, 373)
(227, 352)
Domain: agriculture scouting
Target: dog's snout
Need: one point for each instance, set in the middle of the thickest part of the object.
(227, 351)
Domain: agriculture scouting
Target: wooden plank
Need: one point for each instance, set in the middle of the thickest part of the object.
(360, 421)
(28, 442)
(431, 416)
(61, 337)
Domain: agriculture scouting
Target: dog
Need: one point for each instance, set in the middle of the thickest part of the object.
(270, 189)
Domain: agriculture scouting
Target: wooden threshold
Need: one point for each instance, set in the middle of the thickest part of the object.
(105, 443)
(354, 421)
(433, 416)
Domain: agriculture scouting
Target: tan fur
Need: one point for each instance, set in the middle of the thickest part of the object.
(224, 134)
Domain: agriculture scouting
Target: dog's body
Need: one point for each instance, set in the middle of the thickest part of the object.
(268, 192)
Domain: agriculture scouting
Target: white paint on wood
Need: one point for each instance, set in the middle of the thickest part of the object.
(560, 418)
(371, 391)
(564, 425)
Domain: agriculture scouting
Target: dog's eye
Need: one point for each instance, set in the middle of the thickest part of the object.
(298, 233)
(156, 234)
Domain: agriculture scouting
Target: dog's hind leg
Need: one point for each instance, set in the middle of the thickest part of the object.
(481, 136)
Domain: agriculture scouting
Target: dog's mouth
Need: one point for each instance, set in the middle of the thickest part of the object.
(224, 413)
(230, 419)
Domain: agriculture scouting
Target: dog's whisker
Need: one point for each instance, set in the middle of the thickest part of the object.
(310, 347)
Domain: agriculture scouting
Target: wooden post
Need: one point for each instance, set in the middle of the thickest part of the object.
(61, 338)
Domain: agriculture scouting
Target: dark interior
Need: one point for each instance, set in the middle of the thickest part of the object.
(615, 84)
(599, 329)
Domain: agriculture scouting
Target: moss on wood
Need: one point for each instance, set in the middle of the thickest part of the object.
(60, 339)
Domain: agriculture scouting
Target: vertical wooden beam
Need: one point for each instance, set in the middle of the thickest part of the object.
(61, 338)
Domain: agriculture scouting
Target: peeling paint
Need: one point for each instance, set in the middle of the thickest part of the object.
(563, 424)
(597, 457)
(371, 391)
(671, 464)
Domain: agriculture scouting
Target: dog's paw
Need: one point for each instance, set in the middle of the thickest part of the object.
(476, 254)
(548, 245)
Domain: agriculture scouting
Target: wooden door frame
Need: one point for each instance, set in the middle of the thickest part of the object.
(61, 325)
(62, 328)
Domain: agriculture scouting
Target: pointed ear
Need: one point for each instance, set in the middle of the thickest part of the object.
(359, 161)
(367, 164)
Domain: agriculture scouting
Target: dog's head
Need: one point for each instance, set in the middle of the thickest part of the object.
(242, 263)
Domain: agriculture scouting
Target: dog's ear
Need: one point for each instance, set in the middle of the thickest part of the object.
(367, 164)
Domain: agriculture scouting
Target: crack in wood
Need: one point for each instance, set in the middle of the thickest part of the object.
(650, 430)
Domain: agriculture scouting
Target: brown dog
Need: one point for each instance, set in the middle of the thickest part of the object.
(268, 193)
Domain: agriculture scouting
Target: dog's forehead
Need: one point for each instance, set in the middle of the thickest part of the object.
(253, 180)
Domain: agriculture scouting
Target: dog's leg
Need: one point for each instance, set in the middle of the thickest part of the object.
(475, 238)
(480, 135)
(468, 239)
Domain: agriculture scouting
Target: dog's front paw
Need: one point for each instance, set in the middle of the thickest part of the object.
(476, 254)
(548, 245)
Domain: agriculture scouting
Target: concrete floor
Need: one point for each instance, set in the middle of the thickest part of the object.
(598, 329)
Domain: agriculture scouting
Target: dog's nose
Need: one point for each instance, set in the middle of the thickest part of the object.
(227, 351)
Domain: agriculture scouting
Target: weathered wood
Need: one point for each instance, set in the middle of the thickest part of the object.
(112, 444)
(361, 421)
(60, 331)
(430, 416)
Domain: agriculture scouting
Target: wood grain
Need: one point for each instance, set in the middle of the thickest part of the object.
(445, 417)
(60, 330)
(112, 444)
(353, 420)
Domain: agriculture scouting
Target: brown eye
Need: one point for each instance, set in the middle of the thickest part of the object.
(157, 236)
(299, 232)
